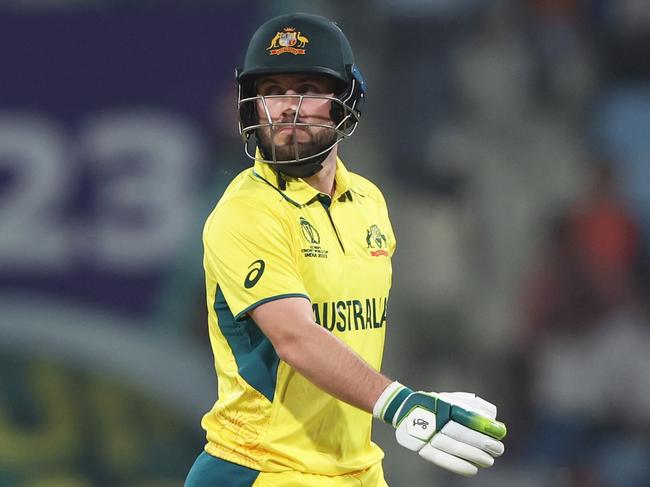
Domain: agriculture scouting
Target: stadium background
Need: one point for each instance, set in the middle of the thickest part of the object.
(511, 138)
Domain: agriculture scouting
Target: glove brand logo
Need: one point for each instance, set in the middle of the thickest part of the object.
(376, 239)
(421, 423)
(285, 40)
(255, 273)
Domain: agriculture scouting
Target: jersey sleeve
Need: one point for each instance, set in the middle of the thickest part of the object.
(249, 252)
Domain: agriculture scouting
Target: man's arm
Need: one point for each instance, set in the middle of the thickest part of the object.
(456, 431)
(318, 355)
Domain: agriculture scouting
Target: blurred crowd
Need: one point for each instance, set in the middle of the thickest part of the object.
(528, 125)
(512, 142)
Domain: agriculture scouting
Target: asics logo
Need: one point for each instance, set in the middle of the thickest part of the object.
(254, 275)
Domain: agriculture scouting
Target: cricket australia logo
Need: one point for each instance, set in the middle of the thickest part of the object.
(376, 241)
(289, 40)
(311, 235)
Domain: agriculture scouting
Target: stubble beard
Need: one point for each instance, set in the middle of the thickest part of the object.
(319, 141)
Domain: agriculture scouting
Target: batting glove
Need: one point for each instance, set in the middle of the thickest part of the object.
(457, 431)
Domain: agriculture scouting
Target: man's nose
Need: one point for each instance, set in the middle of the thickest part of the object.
(291, 104)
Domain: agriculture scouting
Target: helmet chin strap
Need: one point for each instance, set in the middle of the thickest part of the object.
(303, 169)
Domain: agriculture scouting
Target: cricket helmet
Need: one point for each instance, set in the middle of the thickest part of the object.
(299, 43)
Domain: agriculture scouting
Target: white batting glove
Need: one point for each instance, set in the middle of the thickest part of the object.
(457, 431)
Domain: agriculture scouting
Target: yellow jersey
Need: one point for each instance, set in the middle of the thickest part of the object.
(271, 237)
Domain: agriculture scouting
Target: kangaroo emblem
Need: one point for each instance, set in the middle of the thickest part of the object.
(274, 41)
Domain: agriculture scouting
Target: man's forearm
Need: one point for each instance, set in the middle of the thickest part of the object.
(334, 367)
(317, 354)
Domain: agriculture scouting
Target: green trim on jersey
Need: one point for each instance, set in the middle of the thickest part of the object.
(209, 470)
(242, 314)
(284, 195)
(257, 361)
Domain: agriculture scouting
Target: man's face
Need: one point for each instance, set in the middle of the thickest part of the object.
(284, 109)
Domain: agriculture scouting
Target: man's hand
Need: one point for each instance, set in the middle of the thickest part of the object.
(456, 431)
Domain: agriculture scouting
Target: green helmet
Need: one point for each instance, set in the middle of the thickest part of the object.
(292, 44)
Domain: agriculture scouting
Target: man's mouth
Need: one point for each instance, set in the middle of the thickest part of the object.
(289, 129)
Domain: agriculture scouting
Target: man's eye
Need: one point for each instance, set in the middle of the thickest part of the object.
(308, 89)
(270, 90)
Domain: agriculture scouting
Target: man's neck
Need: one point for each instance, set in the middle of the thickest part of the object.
(324, 180)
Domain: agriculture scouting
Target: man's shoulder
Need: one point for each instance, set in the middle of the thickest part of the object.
(365, 187)
(247, 190)
(246, 198)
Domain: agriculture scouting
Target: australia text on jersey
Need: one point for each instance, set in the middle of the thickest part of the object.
(351, 315)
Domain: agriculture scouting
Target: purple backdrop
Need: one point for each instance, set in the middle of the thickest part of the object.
(105, 139)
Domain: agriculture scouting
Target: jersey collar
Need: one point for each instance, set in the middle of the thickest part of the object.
(296, 190)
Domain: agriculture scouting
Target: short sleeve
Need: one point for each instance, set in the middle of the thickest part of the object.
(249, 252)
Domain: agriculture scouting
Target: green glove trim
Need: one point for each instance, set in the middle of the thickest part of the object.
(487, 426)
(446, 412)
(394, 404)
(417, 400)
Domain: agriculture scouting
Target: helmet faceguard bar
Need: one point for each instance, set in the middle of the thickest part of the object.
(344, 125)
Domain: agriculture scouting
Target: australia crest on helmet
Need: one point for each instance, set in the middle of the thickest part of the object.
(288, 40)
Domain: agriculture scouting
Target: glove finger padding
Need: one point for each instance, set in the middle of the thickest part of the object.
(447, 461)
(482, 424)
(462, 450)
(471, 402)
(474, 438)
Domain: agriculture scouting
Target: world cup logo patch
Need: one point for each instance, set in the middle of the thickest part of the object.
(312, 237)
(309, 232)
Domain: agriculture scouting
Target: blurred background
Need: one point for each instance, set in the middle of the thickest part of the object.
(512, 142)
